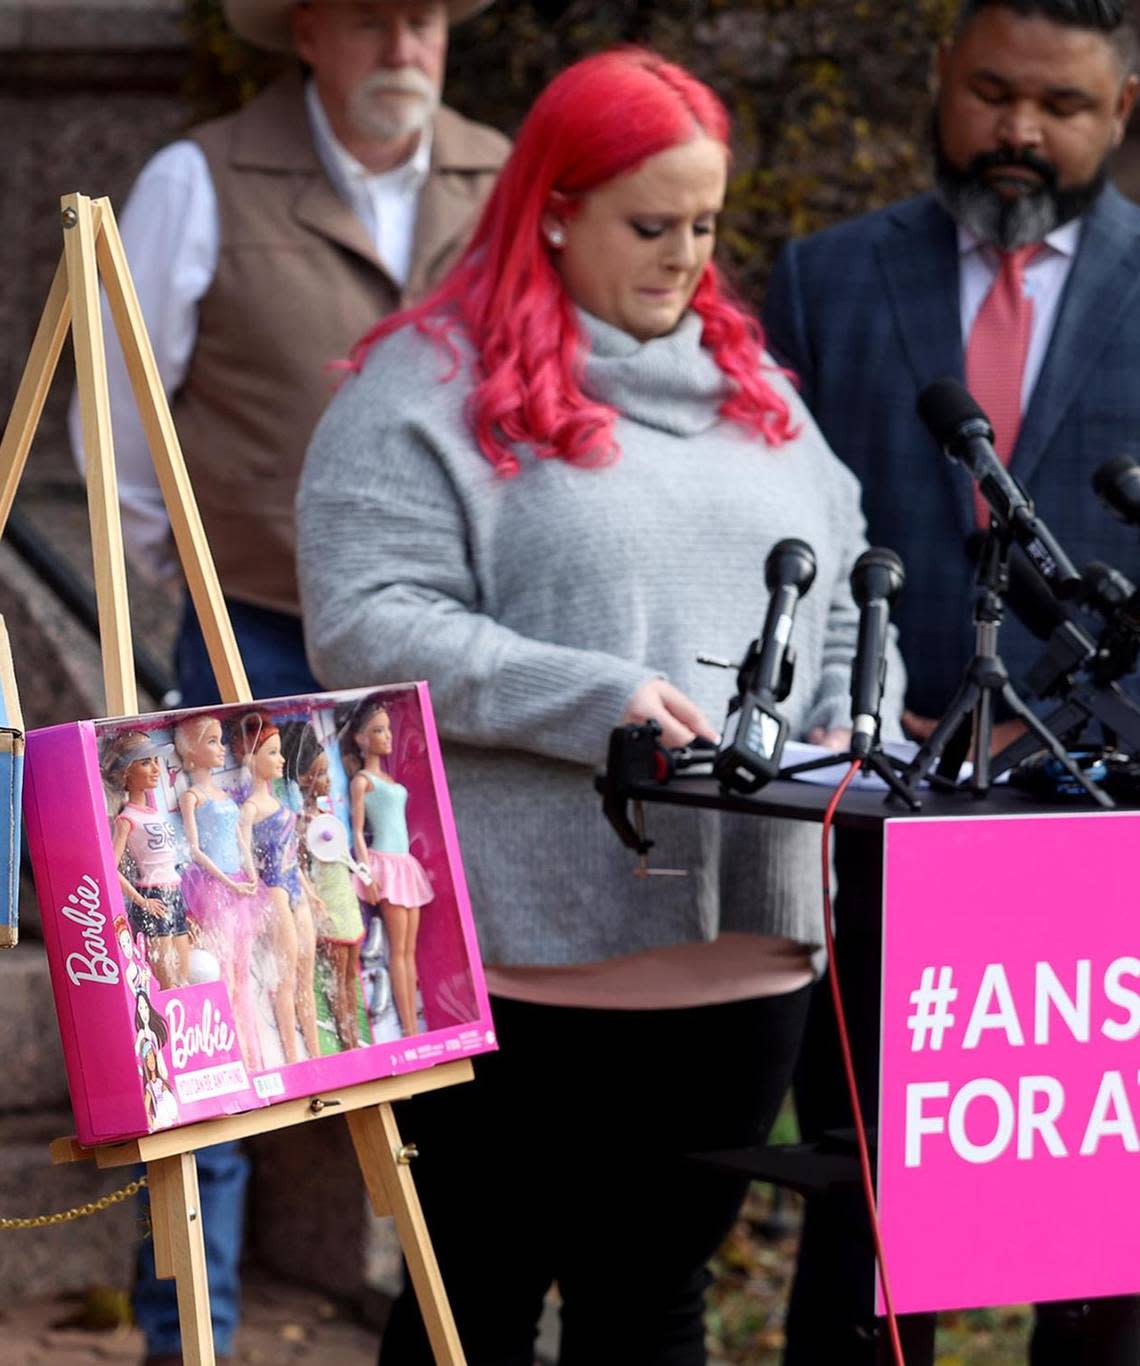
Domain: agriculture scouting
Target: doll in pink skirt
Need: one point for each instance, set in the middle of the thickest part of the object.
(221, 890)
(400, 887)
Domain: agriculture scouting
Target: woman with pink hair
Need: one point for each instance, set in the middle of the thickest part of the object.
(544, 490)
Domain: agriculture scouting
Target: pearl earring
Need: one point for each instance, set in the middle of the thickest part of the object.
(556, 237)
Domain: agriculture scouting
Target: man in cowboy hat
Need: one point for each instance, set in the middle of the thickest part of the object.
(262, 246)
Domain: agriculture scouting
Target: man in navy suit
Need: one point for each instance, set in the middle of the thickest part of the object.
(1034, 96)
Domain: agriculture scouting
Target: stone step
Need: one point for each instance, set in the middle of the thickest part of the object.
(65, 1257)
(33, 1059)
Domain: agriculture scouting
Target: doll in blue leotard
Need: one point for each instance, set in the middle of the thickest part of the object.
(270, 828)
(222, 894)
(400, 887)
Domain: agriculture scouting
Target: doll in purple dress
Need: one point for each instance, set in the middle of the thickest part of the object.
(223, 897)
(399, 886)
(269, 827)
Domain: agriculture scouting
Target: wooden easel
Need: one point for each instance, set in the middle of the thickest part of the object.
(94, 250)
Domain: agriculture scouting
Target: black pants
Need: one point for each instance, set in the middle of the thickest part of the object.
(566, 1161)
(830, 1317)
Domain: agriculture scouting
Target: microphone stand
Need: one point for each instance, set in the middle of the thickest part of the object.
(876, 761)
(1082, 701)
(985, 679)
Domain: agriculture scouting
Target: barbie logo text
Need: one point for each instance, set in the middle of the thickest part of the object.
(96, 964)
(207, 1036)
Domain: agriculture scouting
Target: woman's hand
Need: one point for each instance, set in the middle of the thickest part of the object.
(838, 739)
(921, 728)
(678, 716)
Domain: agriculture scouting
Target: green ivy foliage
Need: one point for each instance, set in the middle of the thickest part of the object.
(830, 98)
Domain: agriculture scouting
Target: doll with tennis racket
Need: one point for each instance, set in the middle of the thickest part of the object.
(339, 923)
(378, 804)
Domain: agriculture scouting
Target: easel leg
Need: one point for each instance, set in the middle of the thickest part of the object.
(170, 467)
(392, 1191)
(180, 1251)
(99, 451)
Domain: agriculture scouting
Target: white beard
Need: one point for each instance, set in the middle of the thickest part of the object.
(392, 104)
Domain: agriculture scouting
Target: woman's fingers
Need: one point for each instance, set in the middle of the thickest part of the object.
(678, 716)
(690, 716)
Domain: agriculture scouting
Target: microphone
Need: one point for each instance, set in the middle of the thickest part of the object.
(789, 572)
(877, 578)
(1117, 484)
(1069, 646)
(964, 433)
(754, 731)
(1029, 599)
(1117, 600)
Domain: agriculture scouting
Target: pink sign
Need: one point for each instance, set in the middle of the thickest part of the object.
(1009, 1118)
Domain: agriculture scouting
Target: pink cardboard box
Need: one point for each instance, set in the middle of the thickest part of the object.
(227, 898)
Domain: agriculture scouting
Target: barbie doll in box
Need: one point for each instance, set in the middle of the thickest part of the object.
(146, 854)
(340, 925)
(270, 829)
(223, 897)
(399, 886)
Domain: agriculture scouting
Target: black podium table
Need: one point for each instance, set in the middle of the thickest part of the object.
(862, 808)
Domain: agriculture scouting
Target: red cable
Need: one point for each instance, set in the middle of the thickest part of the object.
(849, 1066)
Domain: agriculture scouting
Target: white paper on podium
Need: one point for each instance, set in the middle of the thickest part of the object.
(797, 752)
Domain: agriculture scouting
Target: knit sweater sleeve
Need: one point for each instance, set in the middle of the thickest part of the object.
(389, 590)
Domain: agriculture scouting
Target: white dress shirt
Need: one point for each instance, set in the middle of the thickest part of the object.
(1045, 278)
(171, 232)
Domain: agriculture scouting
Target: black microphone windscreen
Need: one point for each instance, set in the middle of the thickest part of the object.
(877, 573)
(1117, 484)
(944, 406)
(791, 564)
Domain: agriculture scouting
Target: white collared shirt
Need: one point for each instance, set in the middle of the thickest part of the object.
(385, 202)
(171, 236)
(1045, 278)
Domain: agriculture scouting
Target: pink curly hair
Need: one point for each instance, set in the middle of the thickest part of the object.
(599, 119)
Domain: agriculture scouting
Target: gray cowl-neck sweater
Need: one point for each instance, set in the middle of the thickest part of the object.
(534, 606)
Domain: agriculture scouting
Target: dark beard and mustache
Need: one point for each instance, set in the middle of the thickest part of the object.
(1009, 223)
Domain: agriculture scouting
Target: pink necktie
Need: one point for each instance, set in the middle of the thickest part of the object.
(995, 355)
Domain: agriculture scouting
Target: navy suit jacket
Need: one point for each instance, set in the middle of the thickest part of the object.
(866, 314)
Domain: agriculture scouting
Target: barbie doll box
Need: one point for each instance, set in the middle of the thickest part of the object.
(11, 780)
(245, 904)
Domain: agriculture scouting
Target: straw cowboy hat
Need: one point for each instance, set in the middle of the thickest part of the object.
(265, 23)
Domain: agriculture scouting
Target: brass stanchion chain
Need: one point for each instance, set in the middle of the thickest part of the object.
(77, 1211)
